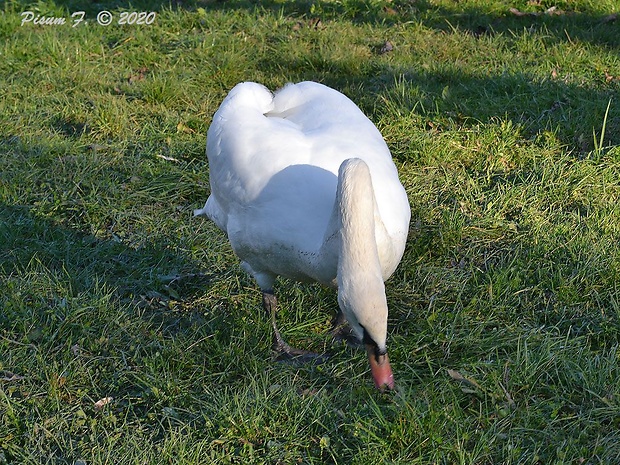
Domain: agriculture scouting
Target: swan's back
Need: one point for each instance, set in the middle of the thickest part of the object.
(273, 163)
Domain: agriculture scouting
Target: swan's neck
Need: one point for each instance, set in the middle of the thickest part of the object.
(361, 292)
(355, 200)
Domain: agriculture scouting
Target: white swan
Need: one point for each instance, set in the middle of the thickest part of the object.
(304, 186)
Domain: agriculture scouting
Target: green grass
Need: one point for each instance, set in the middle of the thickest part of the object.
(504, 314)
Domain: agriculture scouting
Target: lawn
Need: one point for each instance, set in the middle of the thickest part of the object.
(130, 335)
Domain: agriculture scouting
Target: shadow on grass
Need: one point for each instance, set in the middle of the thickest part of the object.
(83, 318)
(56, 263)
(448, 99)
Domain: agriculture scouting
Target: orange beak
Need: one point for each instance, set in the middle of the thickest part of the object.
(380, 369)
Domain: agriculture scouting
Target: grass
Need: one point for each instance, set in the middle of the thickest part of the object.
(504, 314)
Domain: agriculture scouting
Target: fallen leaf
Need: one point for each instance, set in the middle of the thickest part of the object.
(554, 11)
(103, 402)
(309, 392)
(316, 23)
(181, 127)
(385, 48)
(138, 76)
(59, 380)
(7, 376)
(390, 11)
(470, 383)
(516, 12)
(509, 400)
(164, 157)
(432, 126)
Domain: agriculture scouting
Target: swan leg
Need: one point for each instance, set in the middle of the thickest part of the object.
(285, 352)
(341, 331)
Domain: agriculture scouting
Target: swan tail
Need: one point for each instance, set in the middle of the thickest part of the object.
(214, 212)
(201, 211)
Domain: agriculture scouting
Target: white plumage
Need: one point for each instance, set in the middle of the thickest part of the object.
(304, 186)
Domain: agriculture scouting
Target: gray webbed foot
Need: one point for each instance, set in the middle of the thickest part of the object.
(284, 352)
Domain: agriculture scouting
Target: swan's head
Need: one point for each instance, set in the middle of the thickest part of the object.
(364, 305)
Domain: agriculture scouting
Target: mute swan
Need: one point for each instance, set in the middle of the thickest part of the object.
(304, 186)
